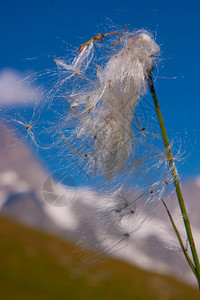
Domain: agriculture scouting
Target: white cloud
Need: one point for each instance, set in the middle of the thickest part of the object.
(14, 89)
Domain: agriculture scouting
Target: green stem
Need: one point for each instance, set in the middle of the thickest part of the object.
(180, 240)
(175, 178)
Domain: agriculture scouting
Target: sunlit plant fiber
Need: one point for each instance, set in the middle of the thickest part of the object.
(97, 127)
(105, 112)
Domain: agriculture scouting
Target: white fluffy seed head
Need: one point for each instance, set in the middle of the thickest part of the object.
(103, 99)
(132, 63)
(110, 106)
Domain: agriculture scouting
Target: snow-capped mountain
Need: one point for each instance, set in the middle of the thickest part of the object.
(29, 195)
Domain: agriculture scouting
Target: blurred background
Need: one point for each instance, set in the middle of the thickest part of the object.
(40, 241)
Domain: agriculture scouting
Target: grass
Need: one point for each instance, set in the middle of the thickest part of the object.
(35, 265)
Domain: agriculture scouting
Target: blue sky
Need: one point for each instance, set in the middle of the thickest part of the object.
(41, 30)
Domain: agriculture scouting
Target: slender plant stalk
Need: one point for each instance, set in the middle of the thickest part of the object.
(180, 240)
(176, 180)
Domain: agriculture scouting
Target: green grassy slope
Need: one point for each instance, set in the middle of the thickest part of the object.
(38, 266)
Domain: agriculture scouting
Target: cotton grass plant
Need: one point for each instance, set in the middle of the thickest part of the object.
(105, 111)
(98, 128)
